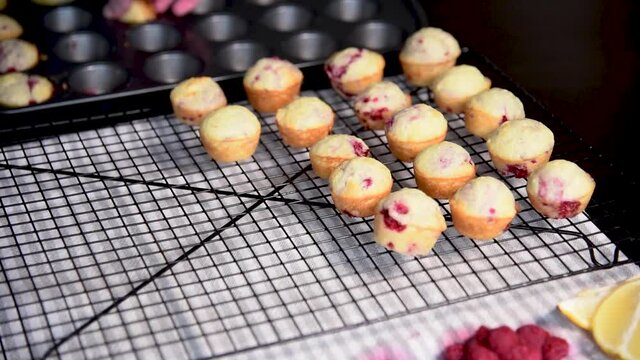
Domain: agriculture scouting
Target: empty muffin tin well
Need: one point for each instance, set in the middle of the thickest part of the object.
(309, 45)
(351, 10)
(376, 35)
(97, 78)
(208, 6)
(287, 17)
(171, 67)
(222, 27)
(82, 46)
(240, 55)
(67, 19)
(153, 37)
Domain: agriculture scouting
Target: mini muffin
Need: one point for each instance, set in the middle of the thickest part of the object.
(560, 189)
(352, 70)
(230, 133)
(272, 83)
(453, 88)
(305, 121)
(519, 147)
(485, 112)
(9, 28)
(379, 103)
(196, 97)
(357, 185)
(333, 150)
(19, 90)
(483, 208)
(442, 169)
(17, 55)
(409, 222)
(130, 12)
(413, 129)
(428, 53)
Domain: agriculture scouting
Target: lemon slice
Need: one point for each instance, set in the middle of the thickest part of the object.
(616, 322)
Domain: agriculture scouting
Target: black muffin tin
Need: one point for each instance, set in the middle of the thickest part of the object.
(99, 65)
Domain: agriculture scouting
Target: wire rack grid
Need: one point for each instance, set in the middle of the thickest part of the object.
(129, 240)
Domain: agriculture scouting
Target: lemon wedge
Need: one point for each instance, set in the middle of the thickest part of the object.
(580, 309)
(616, 322)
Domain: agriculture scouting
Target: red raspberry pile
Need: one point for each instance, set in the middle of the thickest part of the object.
(529, 342)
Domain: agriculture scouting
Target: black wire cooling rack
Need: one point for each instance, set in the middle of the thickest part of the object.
(128, 239)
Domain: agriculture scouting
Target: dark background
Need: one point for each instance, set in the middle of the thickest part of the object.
(578, 57)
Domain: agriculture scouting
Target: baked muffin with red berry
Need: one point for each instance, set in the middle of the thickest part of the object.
(195, 98)
(130, 12)
(453, 88)
(357, 185)
(353, 70)
(17, 55)
(413, 129)
(379, 103)
(519, 147)
(20, 90)
(408, 222)
(485, 112)
(230, 133)
(305, 121)
(9, 28)
(333, 150)
(272, 83)
(560, 189)
(428, 53)
(442, 169)
(483, 208)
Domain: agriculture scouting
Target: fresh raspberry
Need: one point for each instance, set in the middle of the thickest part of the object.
(518, 171)
(482, 335)
(555, 348)
(454, 352)
(523, 352)
(532, 335)
(568, 209)
(502, 340)
(476, 351)
(390, 222)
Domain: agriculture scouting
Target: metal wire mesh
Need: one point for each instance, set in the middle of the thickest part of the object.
(128, 239)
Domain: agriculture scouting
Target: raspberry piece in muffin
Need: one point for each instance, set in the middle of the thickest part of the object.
(305, 121)
(17, 55)
(352, 70)
(428, 53)
(485, 112)
(195, 98)
(560, 189)
(20, 90)
(409, 222)
(379, 103)
(453, 88)
(413, 129)
(357, 185)
(272, 83)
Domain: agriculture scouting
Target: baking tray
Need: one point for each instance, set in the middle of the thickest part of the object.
(120, 237)
(106, 66)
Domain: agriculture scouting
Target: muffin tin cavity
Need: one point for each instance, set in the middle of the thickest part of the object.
(222, 27)
(309, 45)
(153, 37)
(171, 67)
(240, 55)
(97, 78)
(286, 18)
(262, 2)
(376, 35)
(208, 6)
(82, 46)
(67, 19)
(351, 10)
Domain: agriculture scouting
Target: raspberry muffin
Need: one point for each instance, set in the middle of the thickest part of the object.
(17, 55)
(9, 28)
(20, 90)
(379, 103)
(442, 169)
(333, 150)
(357, 185)
(230, 133)
(130, 12)
(305, 121)
(272, 83)
(413, 129)
(196, 97)
(519, 147)
(453, 88)
(428, 53)
(409, 222)
(560, 189)
(483, 208)
(488, 110)
(353, 70)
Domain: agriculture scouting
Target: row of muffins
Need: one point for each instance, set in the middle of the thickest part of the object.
(360, 186)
